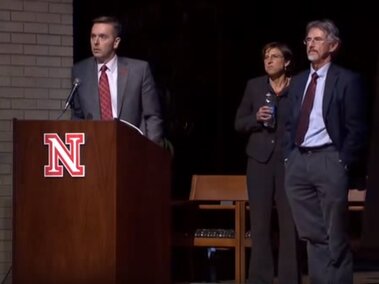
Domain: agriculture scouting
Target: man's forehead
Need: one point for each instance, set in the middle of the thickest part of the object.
(102, 27)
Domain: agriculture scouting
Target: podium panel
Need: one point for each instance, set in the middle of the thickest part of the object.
(108, 222)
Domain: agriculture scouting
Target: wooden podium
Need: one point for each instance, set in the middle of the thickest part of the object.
(112, 225)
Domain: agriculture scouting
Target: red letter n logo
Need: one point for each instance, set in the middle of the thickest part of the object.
(60, 155)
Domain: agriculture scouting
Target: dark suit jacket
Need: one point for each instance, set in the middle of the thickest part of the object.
(344, 111)
(262, 141)
(137, 99)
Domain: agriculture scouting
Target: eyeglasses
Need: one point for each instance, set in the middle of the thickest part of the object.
(316, 40)
(272, 57)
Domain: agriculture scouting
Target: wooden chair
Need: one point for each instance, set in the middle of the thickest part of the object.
(212, 193)
(229, 192)
(356, 199)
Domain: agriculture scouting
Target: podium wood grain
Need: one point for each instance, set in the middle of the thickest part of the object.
(111, 226)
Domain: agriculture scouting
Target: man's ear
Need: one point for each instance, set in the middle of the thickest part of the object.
(116, 42)
(334, 46)
(287, 63)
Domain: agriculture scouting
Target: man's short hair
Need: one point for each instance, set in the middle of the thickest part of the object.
(109, 20)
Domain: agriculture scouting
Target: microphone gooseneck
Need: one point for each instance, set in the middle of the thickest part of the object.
(70, 97)
(75, 85)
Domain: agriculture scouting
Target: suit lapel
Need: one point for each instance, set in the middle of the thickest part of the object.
(122, 78)
(300, 92)
(93, 88)
(330, 81)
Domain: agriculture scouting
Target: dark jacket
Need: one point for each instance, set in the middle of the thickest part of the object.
(262, 141)
(344, 112)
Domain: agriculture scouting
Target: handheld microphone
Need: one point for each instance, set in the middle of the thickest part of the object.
(75, 85)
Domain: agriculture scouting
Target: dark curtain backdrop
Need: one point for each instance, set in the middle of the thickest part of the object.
(370, 233)
(203, 52)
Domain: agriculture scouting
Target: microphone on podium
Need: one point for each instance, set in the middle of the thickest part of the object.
(70, 97)
(75, 85)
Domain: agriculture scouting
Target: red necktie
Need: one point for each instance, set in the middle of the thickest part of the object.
(105, 95)
(306, 108)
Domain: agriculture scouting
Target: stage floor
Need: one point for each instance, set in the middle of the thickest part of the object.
(365, 272)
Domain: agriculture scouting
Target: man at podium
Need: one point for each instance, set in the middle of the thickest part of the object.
(109, 86)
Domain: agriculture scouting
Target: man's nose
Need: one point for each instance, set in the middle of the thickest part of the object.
(96, 40)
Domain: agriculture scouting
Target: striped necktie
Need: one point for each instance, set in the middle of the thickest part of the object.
(105, 95)
(306, 108)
